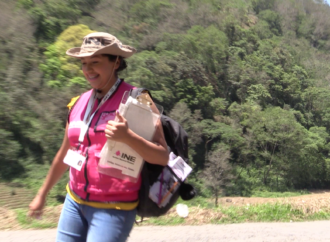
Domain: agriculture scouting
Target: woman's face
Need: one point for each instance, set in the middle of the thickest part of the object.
(98, 69)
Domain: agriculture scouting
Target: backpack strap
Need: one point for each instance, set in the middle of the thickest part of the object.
(177, 142)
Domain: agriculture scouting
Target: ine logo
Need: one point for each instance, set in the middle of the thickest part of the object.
(126, 156)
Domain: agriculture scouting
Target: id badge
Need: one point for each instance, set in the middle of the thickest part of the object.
(74, 159)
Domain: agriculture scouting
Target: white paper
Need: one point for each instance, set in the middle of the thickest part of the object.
(142, 121)
(179, 166)
(121, 157)
(140, 118)
(162, 190)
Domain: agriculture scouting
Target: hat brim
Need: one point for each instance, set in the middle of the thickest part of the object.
(124, 51)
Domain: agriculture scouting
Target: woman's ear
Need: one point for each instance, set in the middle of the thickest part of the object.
(117, 63)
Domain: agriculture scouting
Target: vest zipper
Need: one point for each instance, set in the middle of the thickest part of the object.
(85, 170)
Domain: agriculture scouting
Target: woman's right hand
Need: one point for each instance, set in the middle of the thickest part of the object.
(56, 171)
(36, 206)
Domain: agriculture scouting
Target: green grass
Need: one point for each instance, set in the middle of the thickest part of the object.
(27, 222)
(276, 212)
(269, 213)
(254, 213)
(34, 179)
(166, 221)
(260, 213)
(198, 202)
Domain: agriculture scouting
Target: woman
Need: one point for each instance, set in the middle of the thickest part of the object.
(98, 207)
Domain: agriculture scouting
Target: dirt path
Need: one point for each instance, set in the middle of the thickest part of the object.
(251, 232)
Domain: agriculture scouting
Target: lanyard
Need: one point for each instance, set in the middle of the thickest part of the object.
(88, 114)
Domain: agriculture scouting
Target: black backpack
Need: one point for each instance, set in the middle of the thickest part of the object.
(177, 141)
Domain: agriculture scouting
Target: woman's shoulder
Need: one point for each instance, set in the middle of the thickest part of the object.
(72, 102)
(75, 99)
(126, 85)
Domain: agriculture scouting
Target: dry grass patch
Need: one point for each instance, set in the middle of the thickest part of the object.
(52, 214)
(17, 219)
(198, 216)
(312, 203)
(8, 220)
(231, 209)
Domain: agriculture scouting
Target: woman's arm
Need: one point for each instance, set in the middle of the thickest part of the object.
(154, 152)
(55, 172)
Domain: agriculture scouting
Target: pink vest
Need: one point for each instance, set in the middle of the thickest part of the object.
(88, 183)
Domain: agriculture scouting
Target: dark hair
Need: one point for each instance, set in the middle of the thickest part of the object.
(113, 58)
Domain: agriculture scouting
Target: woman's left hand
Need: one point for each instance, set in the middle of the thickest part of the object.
(117, 130)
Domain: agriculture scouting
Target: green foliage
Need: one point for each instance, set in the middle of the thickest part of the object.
(25, 3)
(9, 150)
(198, 96)
(217, 172)
(34, 178)
(306, 28)
(148, 11)
(251, 76)
(262, 29)
(276, 139)
(53, 16)
(259, 5)
(219, 106)
(202, 191)
(59, 69)
(273, 20)
(258, 93)
(208, 45)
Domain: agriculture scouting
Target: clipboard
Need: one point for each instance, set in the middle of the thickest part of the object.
(118, 159)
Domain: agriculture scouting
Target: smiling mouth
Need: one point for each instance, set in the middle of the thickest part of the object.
(93, 77)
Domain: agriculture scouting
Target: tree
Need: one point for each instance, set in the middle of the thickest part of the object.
(191, 123)
(217, 172)
(59, 69)
(251, 76)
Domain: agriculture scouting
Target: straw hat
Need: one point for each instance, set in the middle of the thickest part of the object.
(101, 43)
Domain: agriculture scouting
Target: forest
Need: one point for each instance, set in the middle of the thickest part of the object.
(249, 80)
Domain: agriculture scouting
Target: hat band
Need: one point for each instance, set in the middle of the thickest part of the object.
(89, 49)
(96, 41)
(93, 44)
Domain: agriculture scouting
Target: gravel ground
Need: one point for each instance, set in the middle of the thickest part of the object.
(248, 232)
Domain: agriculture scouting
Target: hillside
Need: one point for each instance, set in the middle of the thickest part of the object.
(247, 79)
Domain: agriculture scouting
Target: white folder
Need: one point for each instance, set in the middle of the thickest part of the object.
(118, 159)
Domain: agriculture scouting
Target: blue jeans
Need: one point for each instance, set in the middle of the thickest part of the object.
(82, 223)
